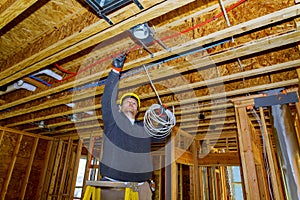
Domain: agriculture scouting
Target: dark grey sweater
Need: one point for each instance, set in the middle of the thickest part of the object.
(126, 147)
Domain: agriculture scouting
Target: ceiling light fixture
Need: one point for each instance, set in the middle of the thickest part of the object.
(145, 36)
(141, 31)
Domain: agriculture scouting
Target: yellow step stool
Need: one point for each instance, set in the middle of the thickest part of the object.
(107, 190)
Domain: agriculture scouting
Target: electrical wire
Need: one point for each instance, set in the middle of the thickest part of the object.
(264, 153)
(40, 80)
(152, 85)
(158, 121)
(162, 39)
(63, 70)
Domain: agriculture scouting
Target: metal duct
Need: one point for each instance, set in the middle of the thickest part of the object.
(288, 150)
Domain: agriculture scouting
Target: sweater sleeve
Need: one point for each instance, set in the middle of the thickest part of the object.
(109, 106)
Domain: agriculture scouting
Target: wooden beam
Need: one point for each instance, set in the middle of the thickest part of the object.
(35, 83)
(220, 35)
(196, 171)
(11, 167)
(246, 49)
(1, 137)
(29, 166)
(14, 10)
(187, 101)
(247, 156)
(235, 53)
(257, 88)
(220, 159)
(236, 92)
(45, 178)
(2, 102)
(298, 73)
(57, 155)
(76, 166)
(88, 162)
(85, 39)
(211, 159)
(24, 133)
(173, 167)
(65, 169)
(216, 136)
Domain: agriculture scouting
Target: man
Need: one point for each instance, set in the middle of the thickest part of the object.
(126, 146)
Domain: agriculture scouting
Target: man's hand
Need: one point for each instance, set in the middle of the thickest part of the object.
(118, 62)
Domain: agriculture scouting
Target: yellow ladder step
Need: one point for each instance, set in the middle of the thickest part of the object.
(95, 193)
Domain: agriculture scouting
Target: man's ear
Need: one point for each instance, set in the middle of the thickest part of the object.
(119, 106)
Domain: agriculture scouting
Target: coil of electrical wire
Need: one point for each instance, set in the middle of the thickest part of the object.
(159, 121)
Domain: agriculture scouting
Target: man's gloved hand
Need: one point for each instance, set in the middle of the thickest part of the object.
(118, 62)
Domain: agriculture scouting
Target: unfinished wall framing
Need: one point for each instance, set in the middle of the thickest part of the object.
(218, 62)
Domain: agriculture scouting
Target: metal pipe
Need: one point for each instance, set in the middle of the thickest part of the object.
(288, 151)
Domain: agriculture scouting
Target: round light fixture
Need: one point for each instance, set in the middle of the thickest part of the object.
(141, 31)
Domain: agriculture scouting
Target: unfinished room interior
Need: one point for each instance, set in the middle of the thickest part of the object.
(227, 71)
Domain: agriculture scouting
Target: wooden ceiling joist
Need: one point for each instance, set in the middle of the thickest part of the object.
(229, 32)
(14, 10)
(236, 92)
(85, 39)
(247, 49)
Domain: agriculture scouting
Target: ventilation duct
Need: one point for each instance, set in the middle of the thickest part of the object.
(17, 85)
(49, 73)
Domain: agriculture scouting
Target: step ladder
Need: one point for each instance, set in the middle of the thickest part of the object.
(107, 190)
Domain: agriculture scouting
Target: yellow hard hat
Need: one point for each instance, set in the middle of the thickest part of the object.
(131, 95)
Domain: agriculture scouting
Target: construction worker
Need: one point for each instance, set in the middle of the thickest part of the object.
(126, 146)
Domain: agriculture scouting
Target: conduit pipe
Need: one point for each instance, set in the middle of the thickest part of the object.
(225, 13)
(288, 151)
(18, 85)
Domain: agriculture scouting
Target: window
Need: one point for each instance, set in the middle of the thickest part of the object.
(80, 178)
(236, 183)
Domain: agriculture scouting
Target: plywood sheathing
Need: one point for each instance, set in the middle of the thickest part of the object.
(38, 25)
(90, 36)
(8, 145)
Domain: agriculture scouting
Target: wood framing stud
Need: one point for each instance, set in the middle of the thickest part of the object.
(247, 155)
(11, 167)
(272, 163)
(29, 166)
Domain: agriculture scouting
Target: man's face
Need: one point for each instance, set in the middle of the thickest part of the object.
(129, 105)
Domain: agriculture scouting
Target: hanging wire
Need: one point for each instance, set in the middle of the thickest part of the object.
(264, 153)
(152, 85)
(158, 121)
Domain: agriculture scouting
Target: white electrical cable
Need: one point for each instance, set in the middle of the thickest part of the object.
(265, 155)
(158, 121)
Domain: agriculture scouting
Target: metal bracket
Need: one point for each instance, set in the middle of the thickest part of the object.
(111, 6)
(277, 99)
